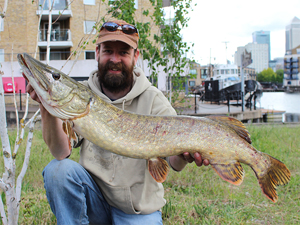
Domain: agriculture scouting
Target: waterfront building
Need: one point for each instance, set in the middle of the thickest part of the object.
(292, 34)
(291, 79)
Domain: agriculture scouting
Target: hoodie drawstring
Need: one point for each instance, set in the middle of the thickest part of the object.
(123, 104)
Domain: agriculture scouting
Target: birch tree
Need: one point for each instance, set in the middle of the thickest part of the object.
(10, 182)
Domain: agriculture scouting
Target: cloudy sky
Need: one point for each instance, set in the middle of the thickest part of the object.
(213, 22)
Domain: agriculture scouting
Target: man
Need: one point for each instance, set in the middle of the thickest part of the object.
(105, 188)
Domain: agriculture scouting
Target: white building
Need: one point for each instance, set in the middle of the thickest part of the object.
(259, 54)
(238, 54)
(292, 34)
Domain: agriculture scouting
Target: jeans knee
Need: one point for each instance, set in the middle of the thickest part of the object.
(58, 171)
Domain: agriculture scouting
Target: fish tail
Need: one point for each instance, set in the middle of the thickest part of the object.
(277, 174)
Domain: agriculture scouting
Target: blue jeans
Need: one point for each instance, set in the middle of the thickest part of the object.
(75, 198)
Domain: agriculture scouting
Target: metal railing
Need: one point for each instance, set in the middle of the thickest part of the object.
(56, 35)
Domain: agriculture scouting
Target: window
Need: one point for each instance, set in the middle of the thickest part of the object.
(57, 4)
(192, 83)
(136, 3)
(1, 55)
(89, 2)
(88, 27)
(1, 24)
(55, 56)
(89, 55)
(193, 71)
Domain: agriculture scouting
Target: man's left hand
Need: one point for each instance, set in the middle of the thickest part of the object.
(197, 158)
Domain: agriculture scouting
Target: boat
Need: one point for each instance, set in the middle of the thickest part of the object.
(225, 85)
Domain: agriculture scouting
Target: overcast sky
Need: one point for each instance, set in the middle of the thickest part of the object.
(213, 22)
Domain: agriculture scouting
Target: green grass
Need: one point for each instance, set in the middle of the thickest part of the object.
(195, 195)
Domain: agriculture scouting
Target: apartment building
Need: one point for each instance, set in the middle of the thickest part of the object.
(72, 30)
(291, 79)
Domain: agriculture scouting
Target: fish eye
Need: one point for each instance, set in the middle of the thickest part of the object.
(55, 76)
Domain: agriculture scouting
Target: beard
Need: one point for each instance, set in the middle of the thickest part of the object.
(115, 82)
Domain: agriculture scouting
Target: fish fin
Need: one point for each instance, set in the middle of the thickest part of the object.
(67, 127)
(278, 174)
(235, 124)
(231, 172)
(158, 168)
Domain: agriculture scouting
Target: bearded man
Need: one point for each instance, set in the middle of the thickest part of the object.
(106, 188)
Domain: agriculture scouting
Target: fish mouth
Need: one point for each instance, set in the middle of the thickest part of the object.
(33, 70)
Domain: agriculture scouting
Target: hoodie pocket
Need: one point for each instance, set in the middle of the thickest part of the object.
(119, 197)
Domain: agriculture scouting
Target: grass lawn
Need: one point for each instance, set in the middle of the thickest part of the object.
(195, 195)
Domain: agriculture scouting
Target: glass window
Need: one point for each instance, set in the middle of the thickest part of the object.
(136, 4)
(222, 71)
(193, 71)
(1, 24)
(88, 27)
(89, 2)
(192, 83)
(90, 55)
(1, 55)
(57, 5)
(55, 56)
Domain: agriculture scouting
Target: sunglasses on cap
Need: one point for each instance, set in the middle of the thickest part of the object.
(125, 28)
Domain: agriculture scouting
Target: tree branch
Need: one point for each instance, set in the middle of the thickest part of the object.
(20, 139)
(8, 162)
(2, 15)
(2, 212)
(26, 161)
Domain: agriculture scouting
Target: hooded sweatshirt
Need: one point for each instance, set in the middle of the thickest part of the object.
(125, 182)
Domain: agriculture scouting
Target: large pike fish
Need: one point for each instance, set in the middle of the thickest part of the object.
(224, 141)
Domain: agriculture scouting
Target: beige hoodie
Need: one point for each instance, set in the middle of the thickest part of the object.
(125, 182)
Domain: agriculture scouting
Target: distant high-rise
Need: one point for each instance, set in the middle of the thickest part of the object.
(259, 55)
(292, 34)
(262, 37)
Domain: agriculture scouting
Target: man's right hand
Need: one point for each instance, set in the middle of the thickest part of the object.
(32, 93)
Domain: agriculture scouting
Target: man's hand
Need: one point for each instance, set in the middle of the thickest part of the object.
(32, 93)
(197, 158)
(178, 162)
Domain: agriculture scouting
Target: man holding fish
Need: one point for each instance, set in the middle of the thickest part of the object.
(106, 188)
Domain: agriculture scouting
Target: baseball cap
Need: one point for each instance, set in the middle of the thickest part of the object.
(118, 30)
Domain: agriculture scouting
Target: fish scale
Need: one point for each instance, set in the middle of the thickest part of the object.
(223, 140)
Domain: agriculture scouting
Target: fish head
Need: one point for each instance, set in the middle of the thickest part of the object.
(62, 96)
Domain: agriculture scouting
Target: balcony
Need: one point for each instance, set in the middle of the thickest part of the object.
(291, 77)
(289, 66)
(59, 38)
(60, 9)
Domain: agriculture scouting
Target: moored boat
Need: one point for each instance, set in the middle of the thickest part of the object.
(225, 85)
